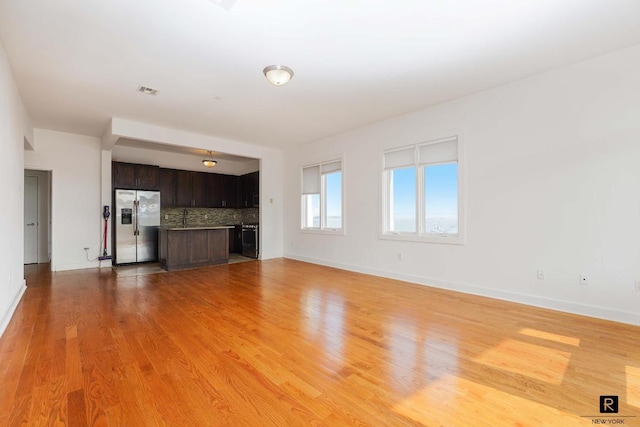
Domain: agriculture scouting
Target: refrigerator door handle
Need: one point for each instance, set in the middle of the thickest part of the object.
(136, 221)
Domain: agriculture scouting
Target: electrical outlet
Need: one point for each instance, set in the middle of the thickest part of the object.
(206, 216)
(584, 280)
(637, 286)
(540, 274)
(400, 257)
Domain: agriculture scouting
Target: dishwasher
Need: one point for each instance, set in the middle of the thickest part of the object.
(250, 247)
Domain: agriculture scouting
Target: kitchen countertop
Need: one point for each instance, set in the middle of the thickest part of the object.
(195, 227)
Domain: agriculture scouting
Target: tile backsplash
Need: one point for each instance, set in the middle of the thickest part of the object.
(209, 216)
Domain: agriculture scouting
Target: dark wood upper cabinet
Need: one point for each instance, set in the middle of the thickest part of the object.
(184, 190)
(148, 177)
(255, 187)
(167, 185)
(200, 193)
(215, 188)
(250, 190)
(230, 191)
(189, 189)
(123, 175)
(223, 190)
(244, 191)
(134, 176)
(193, 190)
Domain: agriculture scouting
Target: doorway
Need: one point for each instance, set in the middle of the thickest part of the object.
(31, 219)
(37, 217)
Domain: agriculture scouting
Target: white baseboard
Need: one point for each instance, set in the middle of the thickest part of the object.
(533, 300)
(81, 266)
(9, 314)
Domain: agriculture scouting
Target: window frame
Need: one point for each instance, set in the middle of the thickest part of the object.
(420, 209)
(323, 196)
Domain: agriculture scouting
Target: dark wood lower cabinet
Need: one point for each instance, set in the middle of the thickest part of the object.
(175, 248)
(180, 249)
(235, 240)
(199, 247)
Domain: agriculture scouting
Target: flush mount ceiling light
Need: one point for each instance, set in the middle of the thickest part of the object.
(209, 162)
(278, 74)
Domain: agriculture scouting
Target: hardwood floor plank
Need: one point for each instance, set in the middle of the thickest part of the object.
(13, 359)
(19, 412)
(76, 409)
(282, 342)
(73, 363)
(49, 404)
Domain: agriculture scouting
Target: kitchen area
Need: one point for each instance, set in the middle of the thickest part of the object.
(184, 218)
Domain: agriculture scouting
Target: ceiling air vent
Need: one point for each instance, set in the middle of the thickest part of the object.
(147, 90)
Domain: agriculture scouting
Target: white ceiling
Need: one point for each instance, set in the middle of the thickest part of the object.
(79, 62)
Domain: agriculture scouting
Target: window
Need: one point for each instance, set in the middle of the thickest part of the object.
(322, 197)
(422, 192)
(403, 200)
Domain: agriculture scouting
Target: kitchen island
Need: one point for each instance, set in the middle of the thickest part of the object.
(191, 246)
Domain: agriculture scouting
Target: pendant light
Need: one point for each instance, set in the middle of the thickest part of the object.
(209, 162)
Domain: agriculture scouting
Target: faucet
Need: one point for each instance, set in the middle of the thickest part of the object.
(184, 217)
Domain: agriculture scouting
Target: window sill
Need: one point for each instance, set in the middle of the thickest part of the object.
(326, 231)
(441, 239)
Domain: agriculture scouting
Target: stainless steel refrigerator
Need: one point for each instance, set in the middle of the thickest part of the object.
(137, 220)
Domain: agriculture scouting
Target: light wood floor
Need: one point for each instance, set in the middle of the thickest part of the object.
(286, 343)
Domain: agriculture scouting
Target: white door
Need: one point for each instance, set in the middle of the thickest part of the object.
(30, 219)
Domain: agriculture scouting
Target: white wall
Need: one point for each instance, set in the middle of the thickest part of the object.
(552, 183)
(13, 124)
(76, 166)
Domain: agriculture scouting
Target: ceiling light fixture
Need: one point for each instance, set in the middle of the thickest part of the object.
(209, 162)
(278, 74)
